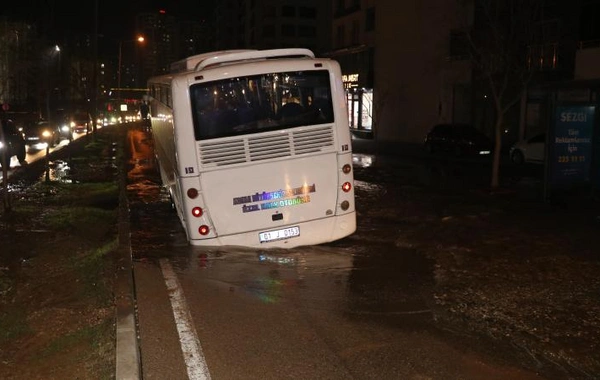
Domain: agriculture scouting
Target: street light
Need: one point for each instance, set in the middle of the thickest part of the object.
(140, 39)
(50, 55)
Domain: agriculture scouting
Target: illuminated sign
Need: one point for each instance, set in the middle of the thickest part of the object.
(275, 199)
(350, 80)
(572, 144)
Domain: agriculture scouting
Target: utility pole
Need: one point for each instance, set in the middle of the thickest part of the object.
(95, 70)
(119, 70)
(5, 161)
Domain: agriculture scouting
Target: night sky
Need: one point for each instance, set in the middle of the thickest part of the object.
(116, 19)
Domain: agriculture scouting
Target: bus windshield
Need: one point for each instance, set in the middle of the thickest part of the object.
(261, 103)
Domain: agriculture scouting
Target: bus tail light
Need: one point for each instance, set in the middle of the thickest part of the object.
(346, 187)
(197, 212)
(346, 168)
(203, 230)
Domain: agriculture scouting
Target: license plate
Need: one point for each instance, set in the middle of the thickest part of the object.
(283, 233)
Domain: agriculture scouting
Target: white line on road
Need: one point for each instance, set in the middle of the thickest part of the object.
(190, 345)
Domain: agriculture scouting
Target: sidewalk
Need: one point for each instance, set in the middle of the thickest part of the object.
(524, 183)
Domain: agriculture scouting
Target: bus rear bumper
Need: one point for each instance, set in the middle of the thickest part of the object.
(311, 233)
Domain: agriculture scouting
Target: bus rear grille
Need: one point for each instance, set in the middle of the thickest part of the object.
(266, 146)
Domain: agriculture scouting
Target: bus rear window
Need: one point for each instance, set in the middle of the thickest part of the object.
(260, 103)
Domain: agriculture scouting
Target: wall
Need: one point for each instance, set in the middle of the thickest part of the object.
(586, 63)
(413, 79)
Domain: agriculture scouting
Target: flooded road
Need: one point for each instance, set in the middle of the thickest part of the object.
(358, 308)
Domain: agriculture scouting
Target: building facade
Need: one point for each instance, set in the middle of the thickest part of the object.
(17, 51)
(396, 60)
(272, 24)
(162, 43)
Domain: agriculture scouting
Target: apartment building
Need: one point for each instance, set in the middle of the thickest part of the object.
(395, 58)
(271, 24)
(17, 42)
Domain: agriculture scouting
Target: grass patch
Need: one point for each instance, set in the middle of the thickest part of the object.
(91, 270)
(20, 212)
(81, 220)
(78, 193)
(91, 337)
(6, 284)
(13, 324)
(87, 346)
(97, 144)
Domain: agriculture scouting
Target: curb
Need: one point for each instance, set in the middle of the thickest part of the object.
(128, 365)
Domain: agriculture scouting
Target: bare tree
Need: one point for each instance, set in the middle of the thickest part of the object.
(498, 39)
(380, 100)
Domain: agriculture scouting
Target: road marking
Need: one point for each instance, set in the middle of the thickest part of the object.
(190, 345)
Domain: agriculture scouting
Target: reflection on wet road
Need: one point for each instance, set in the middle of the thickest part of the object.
(376, 277)
(355, 308)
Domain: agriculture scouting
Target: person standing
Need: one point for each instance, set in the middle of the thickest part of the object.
(12, 139)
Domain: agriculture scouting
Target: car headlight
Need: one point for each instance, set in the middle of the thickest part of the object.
(1, 145)
(65, 128)
(46, 133)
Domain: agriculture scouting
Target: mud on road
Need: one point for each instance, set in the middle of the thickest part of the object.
(516, 274)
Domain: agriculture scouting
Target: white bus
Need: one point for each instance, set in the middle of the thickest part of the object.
(254, 148)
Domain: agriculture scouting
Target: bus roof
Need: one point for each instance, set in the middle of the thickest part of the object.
(201, 61)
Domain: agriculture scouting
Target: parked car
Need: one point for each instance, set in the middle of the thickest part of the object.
(41, 132)
(458, 140)
(14, 144)
(530, 150)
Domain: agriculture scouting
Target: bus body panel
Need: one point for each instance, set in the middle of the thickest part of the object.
(181, 98)
(184, 140)
(164, 144)
(272, 194)
(286, 187)
(317, 231)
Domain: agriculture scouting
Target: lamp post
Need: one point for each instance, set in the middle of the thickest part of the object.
(139, 39)
(55, 52)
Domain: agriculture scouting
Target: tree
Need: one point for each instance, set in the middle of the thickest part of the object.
(499, 38)
(5, 162)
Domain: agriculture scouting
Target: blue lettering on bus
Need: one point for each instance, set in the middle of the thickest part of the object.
(250, 208)
(275, 199)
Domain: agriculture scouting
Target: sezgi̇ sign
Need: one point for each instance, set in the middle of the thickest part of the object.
(571, 145)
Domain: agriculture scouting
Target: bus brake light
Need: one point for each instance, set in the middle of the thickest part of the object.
(203, 230)
(197, 212)
(346, 187)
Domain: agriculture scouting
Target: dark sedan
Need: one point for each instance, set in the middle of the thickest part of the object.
(81, 122)
(41, 132)
(458, 140)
